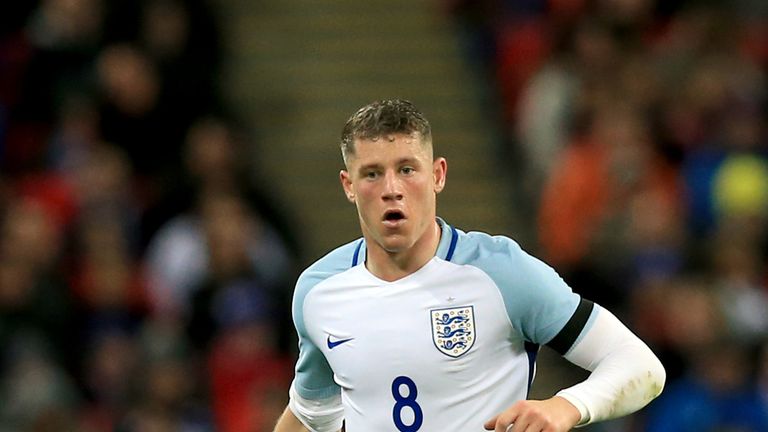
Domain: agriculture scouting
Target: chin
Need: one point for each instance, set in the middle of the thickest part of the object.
(392, 247)
(395, 245)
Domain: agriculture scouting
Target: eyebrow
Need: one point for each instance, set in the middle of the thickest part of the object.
(403, 161)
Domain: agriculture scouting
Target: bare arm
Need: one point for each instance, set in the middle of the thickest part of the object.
(289, 423)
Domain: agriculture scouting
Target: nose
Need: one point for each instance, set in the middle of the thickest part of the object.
(392, 188)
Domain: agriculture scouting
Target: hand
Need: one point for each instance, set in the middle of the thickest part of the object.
(551, 415)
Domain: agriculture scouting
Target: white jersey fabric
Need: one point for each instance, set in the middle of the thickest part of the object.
(445, 348)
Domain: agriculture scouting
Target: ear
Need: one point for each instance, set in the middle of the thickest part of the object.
(346, 184)
(439, 172)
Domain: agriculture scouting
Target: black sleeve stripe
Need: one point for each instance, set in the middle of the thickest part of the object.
(568, 335)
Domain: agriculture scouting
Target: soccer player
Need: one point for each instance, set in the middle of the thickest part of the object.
(419, 326)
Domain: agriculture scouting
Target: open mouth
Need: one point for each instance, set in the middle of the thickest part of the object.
(393, 216)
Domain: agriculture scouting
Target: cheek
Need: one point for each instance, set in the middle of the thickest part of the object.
(364, 193)
(423, 189)
(365, 200)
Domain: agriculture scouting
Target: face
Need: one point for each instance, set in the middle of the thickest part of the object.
(393, 181)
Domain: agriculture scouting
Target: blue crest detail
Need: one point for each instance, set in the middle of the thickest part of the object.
(453, 329)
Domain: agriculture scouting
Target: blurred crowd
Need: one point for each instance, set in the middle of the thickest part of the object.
(144, 277)
(638, 130)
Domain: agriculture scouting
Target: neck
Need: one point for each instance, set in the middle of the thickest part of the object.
(391, 266)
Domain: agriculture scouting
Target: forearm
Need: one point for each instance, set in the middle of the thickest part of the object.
(625, 377)
(289, 423)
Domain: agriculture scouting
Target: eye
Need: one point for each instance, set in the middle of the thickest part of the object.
(371, 175)
(407, 170)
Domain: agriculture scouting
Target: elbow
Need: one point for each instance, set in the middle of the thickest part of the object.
(657, 378)
(650, 377)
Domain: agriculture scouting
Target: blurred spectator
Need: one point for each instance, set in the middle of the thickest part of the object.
(36, 320)
(107, 282)
(193, 247)
(62, 24)
(678, 316)
(236, 260)
(233, 316)
(104, 185)
(739, 275)
(597, 199)
(34, 302)
(132, 117)
(152, 89)
(216, 191)
(248, 373)
(180, 36)
(169, 399)
(725, 169)
(37, 394)
(96, 101)
(544, 119)
(75, 135)
(111, 361)
(641, 127)
(63, 37)
(717, 395)
(215, 158)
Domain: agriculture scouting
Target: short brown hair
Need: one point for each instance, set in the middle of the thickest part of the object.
(384, 117)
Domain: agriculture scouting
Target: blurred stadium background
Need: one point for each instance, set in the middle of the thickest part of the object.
(168, 167)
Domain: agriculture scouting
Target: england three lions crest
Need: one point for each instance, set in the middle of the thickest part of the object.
(453, 329)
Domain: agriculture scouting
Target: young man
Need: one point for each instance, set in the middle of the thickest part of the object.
(419, 326)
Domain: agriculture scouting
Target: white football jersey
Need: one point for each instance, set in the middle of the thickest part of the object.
(443, 349)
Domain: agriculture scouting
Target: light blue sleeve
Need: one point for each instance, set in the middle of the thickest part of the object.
(314, 377)
(538, 301)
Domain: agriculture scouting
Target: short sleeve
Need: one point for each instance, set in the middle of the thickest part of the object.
(538, 301)
(314, 377)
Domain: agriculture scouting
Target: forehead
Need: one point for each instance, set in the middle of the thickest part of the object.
(385, 147)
